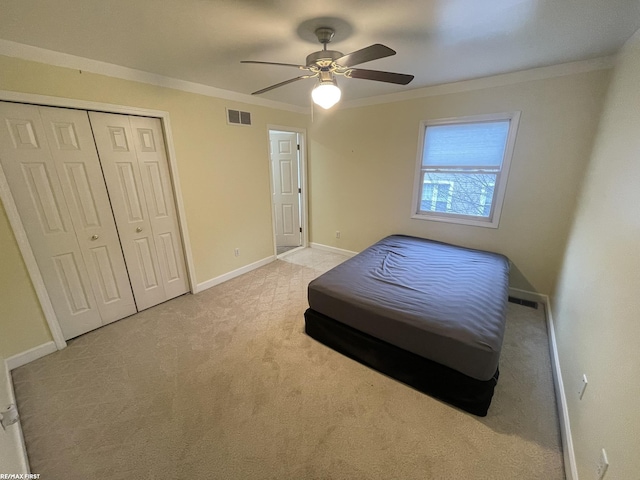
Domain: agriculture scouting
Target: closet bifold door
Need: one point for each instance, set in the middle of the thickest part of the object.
(49, 158)
(133, 157)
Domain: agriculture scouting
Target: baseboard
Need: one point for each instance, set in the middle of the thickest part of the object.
(16, 429)
(30, 355)
(200, 287)
(327, 248)
(570, 466)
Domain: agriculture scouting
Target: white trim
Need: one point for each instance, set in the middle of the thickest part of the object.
(570, 465)
(58, 59)
(49, 101)
(17, 428)
(533, 74)
(14, 217)
(304, 197)
(502, 177)
(30, 355)
(327, 248)
(200, 287)
(50, 57)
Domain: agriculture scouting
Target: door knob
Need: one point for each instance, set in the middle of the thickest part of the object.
(94, 237)
(139, 229)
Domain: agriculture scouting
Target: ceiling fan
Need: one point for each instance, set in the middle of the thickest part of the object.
(326, 64)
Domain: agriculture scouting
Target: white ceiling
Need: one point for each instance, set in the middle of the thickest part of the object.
(438, 41)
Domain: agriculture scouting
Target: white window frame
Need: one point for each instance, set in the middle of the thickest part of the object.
(501, 178)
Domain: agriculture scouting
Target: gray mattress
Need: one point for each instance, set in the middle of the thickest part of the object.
(442, 302)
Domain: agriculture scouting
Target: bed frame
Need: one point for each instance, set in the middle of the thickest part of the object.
(450, 386)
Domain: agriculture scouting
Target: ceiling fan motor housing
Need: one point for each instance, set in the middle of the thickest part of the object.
(322, 57)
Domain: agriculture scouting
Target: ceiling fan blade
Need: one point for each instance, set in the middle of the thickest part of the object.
(379, 76)
(372, 52)
(301, 67)
(281, 84)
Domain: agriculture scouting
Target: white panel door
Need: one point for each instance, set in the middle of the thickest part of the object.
(74, 153)
(154, 277)
(156, 182)
(286, 196)
(31, 172)
(119, 162)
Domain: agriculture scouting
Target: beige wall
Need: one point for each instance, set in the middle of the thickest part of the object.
(224, 176)
(596, 316)
(362, 165)
(22, 323)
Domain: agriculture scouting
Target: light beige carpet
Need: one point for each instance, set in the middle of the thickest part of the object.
(226, 385)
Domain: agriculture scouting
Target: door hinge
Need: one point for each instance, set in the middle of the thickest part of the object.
(299, 190)
(298, 147)
(300, 229)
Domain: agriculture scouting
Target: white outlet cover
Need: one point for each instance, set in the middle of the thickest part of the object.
(603, 464)
(583, 386)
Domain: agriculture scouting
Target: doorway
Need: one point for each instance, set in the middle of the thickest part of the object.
(287, 165)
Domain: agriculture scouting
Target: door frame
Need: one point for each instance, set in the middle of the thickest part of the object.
(16, 222)
(304, 212)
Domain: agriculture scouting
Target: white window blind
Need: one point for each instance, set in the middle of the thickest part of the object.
(467, 144)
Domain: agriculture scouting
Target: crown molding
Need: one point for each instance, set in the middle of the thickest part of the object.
(50, 57)
(504, 79)
(58, 59)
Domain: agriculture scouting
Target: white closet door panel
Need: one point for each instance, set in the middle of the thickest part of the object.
(31, 172)
(76, 159)
(116, 150)
(156, 181)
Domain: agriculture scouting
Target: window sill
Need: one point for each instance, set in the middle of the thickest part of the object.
(454, 219)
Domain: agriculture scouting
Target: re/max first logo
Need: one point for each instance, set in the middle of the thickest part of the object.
(19, 476)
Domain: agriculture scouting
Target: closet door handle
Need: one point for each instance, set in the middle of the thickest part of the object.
(94, 237)
(139, 229)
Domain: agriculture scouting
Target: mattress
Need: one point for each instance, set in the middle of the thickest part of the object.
(442, 302)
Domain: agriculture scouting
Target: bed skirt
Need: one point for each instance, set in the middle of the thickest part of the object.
(441, 382)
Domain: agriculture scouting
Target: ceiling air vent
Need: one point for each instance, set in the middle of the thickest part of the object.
(236, 117)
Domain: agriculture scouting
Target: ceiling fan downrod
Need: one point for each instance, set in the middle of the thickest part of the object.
(323, 58)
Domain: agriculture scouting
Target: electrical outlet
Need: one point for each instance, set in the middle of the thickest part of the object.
(236, 252)
(603, 464)
(337, 233)
(9, 416)
(583, 386)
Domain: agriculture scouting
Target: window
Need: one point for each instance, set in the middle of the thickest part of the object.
(436, 196)
(462, 170)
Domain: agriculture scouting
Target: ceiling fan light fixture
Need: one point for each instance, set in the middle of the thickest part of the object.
(326, 94)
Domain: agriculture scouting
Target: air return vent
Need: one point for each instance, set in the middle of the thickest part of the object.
(236, 117)
(524, 303)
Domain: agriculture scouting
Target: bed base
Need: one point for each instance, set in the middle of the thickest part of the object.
(441, 382)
